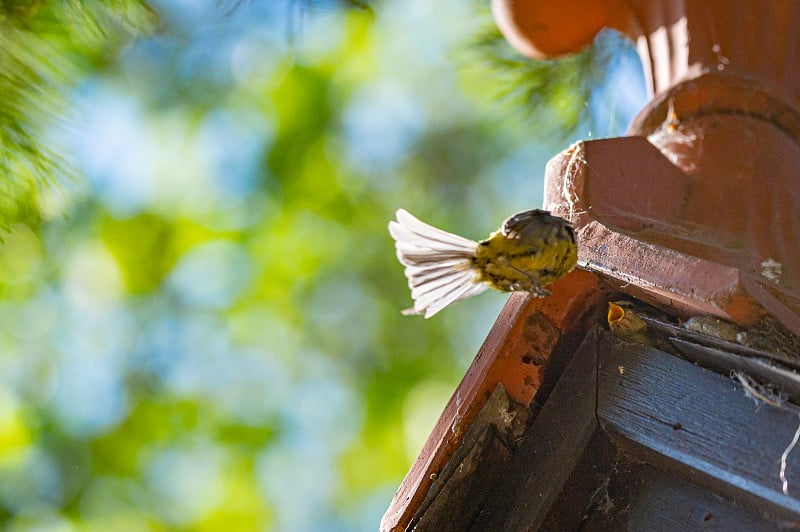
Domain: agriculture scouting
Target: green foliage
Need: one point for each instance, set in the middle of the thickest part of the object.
(45, 47)
(552, 96)
(212, 339)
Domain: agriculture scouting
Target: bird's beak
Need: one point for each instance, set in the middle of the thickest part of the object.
(615, 313)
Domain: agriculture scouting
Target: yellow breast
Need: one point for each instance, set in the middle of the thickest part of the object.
(510, 264)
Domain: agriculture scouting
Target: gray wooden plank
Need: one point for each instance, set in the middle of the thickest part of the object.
(785, 380)
(673, 331)
(553, 445)
(665, 503)
(456, 504)
(460, 489)
(698, 422)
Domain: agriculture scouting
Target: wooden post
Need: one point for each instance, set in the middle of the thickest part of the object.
(711, 202)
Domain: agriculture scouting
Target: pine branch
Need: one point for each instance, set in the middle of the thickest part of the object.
(551, 94)
(45, 47)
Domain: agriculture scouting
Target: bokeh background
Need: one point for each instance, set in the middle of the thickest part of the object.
(199, 300)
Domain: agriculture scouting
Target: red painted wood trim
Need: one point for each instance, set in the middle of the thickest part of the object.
(514, 354)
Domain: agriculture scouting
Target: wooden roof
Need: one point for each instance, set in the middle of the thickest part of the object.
(696, 212)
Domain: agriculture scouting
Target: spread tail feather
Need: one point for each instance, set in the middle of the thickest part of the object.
(439, 265)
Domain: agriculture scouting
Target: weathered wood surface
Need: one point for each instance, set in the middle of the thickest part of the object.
(667, 503)
(635, 438)
(515, 354)
(681, 334)
(699, 423)
(785, 381)
(456, 503)
(460, 487)
(552, 446)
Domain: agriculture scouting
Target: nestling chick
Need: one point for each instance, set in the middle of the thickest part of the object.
(529, 251)
(623, 320)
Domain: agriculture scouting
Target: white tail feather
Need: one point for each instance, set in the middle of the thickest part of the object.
(431, 234)
(405, 235)
(467, 290)
(429, 277)
(439, 265)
